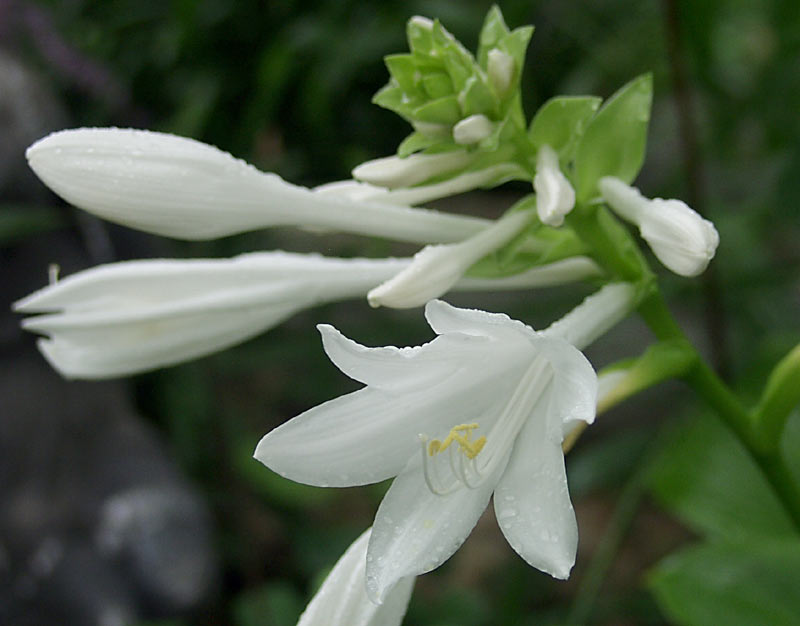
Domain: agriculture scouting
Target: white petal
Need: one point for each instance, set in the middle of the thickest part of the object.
(574, 387)
(597, 313)
(532, 502)
(416, 530)
(106, 345)
(445, 318)
(398, 368)
(435, 269)
(342, 599)
(369, 435)
(555, 197)
(394, 171)
(179, 187)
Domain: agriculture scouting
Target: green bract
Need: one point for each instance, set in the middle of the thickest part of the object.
(439, 83)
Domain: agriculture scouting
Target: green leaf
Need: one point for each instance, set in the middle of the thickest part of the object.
(614, 142)
(739, 584)
(391, 97)
(561, 121)
(706, 478)
(494, 29)
(440, 111)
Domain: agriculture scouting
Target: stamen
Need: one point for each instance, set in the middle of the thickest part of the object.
(461, 434)
(430, 473)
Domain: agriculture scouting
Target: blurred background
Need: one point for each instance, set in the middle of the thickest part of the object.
(137, 501)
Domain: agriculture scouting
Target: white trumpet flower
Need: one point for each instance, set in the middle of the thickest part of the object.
(435, 269)
(481, 409)
(178, 187)
(342, 599)
(133, 316)
(555, 197)
(680, 237)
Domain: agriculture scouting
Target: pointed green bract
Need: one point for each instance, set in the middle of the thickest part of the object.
(561, 122)
(615, 140)
(494, 29)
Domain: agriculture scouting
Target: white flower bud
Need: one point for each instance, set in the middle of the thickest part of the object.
(500, 68)
(394, 171)
(680, 237)
(555, 197)
(472, 129)
(435, 269)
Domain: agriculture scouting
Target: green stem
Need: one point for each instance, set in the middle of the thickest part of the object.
(711, 388)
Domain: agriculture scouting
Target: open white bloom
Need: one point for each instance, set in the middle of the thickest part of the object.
(435, 269)
(481, 409)
(179, 187)
(680, 237)
(342, 599)
(129, 317)
(555, 197)
(472, 129)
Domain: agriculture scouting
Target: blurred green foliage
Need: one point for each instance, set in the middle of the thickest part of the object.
(287, 85)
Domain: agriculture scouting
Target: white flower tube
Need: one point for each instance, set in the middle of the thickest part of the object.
(680, 237)
(128, 317)
(472, 129)
(500, 68)
(435, 269)
(178, 187)
(342, 599)
(555, 197)
(493, 399)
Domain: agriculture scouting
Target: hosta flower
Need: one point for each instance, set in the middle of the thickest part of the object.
(682, 240)
(178, 187)
(555, 197)
(342, 599)
(481, 409)
(128, 317)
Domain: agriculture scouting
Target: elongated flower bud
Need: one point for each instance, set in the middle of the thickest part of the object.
(394, 172)
(435, 269)
(680, 237)
(182, 188)
(555, 197)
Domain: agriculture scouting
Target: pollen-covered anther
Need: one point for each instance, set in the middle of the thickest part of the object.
(461, 434)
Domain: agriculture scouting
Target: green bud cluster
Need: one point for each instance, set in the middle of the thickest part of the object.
(450, 97)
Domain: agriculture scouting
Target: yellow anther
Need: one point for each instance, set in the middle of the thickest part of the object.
(461, 434)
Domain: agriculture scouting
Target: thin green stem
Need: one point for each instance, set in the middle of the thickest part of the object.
(710, 387)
